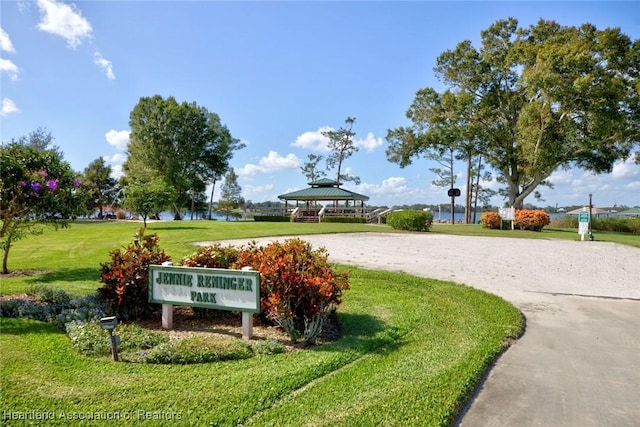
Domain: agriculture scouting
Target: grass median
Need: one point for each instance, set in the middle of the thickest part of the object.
(412, 352)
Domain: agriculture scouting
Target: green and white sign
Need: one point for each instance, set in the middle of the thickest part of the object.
(235, 290)
(583, 223)
(583, 217)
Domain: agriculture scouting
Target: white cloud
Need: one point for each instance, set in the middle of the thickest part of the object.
(64, 20)
(389, 186)
(116, 171)
(256, 193)
(316, 141)
(272, 163)
(116, 158)
(370, 143)
(9, 67)
(634, 186)
(626, 170)
(8, 107)
(105, 64)
(5, 42)
(313, 140)
(118, 138)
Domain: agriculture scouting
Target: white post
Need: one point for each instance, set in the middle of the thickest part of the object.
(167, 309)
(247, 317)
(247, 325)
(167, 316)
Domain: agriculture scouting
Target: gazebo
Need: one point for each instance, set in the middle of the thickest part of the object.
(325, 190)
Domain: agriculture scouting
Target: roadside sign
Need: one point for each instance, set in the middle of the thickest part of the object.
(583, 224)
(583, 228)
(583, 217)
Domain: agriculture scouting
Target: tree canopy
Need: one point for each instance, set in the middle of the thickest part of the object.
(37, 188)
(530, 101)
(184, 144)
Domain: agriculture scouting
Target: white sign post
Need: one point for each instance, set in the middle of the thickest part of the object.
(583, 224)
(218, 288)
(508, 214)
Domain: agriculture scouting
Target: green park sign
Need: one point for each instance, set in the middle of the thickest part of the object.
(583, 216)
(235, 290)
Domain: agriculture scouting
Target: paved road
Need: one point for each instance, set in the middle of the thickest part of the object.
(578, 363)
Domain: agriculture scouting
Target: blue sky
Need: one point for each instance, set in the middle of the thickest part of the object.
(277, 74)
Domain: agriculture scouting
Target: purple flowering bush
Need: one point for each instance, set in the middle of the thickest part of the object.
(37, 187)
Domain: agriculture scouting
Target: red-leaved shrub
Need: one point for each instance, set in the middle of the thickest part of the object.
(126, 277)
(490, 220)
(533, 220)
(298, 287)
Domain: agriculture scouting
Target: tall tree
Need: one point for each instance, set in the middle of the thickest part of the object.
(183, 143)
(449, 137)
(231, 197)
(342, 147)
(310, 169)
(37, 188)
(100, 185)
(544, 97)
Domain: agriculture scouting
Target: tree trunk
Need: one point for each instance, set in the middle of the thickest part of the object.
(176, 213)
(467, 204)
(5, 258)
(477, 189)
(213, 188)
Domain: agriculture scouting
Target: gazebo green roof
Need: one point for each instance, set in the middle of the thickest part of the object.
(323, 189)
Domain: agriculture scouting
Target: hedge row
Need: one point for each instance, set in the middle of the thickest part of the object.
(410, 220)
(344, 219)
(525, 219)
(271, 218)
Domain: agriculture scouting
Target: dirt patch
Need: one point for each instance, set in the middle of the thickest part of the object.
(187, 322)
(22, 273)
(26, 297)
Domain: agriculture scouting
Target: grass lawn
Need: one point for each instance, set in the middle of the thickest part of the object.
(412, 352)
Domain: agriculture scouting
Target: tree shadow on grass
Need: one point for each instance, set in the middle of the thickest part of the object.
(366, 333)
(68, 275)
(22, 326)
(154, 228)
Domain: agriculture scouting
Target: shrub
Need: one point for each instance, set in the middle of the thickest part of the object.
(213, 256)
(126, 277)
(272, 218)
(89, 339)
(54, 306)
(48, 295)
(533, 220)
(269, 346)
(565, 222)
(298, 287)
(410, 220)
(199, 349)
(490, 220)
(344, 219)
(84, 308)
(617, 225)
